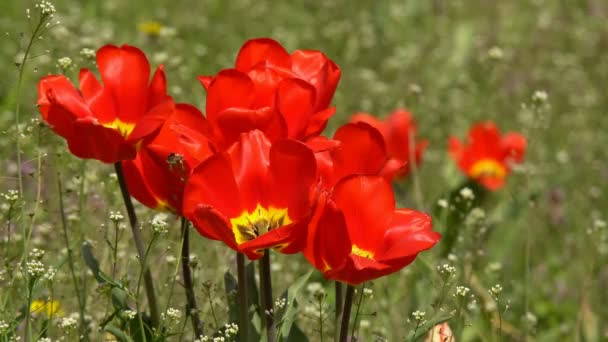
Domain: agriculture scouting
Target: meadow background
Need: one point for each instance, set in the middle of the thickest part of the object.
(451, 63)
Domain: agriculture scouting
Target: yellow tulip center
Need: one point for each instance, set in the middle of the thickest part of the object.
(487, 168)
(122, 127)
(362, 252)
(250, 225)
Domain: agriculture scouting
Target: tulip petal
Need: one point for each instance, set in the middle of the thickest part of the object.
(367, 203)
(292, 173)
(514, 146)
(98, 98)
(408, 234)
(295, 101)
(262, 50)
(212, 183)
(361, 151)
(125, 71)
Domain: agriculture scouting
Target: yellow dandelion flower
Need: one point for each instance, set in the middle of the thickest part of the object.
(51, 308)
(151, 28)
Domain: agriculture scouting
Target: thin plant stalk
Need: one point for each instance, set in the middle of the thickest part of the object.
(66, 240)
(266, 292)
(339, 292)
(192, 308)
(359, 303)
(348, 304)
(243, 297)
(139, 244)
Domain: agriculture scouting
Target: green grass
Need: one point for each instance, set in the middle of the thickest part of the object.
(432, 57)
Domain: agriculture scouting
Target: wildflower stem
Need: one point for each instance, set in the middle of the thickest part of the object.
(243, 298)
(359, 303)
(66, 240)
(192, 309)
(266, 291)
(348, 304)
(139, 244)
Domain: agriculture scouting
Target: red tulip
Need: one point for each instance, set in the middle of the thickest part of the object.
(157, 176)
(486, 156)
(253, 196)
(360, 150)
(107, 122)
(281, 94)
(399, 132)
(357, 235)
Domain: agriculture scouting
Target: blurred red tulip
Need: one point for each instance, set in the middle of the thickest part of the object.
(357, 235)
(107, 122)
(157, 176)
(399, 132)
(486, 156)
(283, 95)
(253, 196)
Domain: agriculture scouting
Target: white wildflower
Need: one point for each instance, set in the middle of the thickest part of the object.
(159, 224)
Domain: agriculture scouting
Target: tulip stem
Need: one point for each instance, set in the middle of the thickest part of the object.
(339, 302)
(348, 304)
(139, 244)
(188, 284)
(266, 292)
(243, 300)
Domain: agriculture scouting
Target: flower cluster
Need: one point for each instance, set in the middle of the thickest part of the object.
(254, 171)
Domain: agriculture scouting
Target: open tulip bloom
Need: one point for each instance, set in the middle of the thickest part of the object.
(254, 196)
(357, 235)
(284, 95)
(399, 133)
(107, 122)
(486, 156)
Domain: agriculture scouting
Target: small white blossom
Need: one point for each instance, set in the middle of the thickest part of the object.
(231, 329)
(418, 315)
(44, 339)
(367, 292)
(50, 273)
(280, 303)
(87, 53)
(172, 314)
(67, 323)
(495, 53)
(467, 194)
(37, 253)
(462, 291)
(10, 196)
(496, 290)
(4, 327)
(443, 203)
(130, 314)
(64, 63)
(159, 224)
(116, 216)
(46, 8)
(35, 268)
(540, 96)
(446, 270)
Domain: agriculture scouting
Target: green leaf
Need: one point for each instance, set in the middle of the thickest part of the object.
(454, 215)
(119, 299)
(433, 322)
(291, 306)
(136, 329)
(119, 334)
(91, 262)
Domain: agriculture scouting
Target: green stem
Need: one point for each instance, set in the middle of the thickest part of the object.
(359, 302)
(66, 240)
(243, 297)
(189, 287)
(266, 292)
(339, 299)
(348, 304)
(139, 244)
